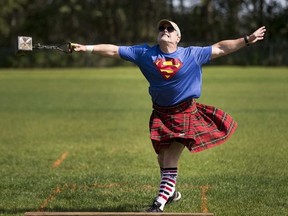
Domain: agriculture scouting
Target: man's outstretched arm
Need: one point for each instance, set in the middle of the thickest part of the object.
(226, 47)
(108, 50)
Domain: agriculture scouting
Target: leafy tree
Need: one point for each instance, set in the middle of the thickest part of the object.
(134, 21)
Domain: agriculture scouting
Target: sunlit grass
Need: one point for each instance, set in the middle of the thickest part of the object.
(99, 118)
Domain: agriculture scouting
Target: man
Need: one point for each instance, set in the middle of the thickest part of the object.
(175, 77)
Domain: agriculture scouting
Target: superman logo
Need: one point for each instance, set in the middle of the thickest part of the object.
(168, 67)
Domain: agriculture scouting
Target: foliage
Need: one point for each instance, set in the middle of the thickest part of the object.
(130, 22)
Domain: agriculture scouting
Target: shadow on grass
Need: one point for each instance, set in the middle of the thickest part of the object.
(120, 208)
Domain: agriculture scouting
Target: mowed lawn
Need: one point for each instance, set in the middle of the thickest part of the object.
(77, 140)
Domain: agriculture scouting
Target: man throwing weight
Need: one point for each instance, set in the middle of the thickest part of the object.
(175, 78)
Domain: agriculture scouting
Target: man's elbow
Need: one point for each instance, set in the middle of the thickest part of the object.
(112, 54)
(217, 52)
(113, 51)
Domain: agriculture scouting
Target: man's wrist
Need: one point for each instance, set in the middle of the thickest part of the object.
(246, 39)
(89, 48)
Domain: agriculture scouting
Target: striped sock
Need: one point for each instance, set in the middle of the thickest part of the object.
(167, 185)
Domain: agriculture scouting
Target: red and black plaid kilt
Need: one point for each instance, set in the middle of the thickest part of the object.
(195, 125)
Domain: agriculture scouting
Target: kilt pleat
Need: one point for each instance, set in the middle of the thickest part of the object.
(195, 125)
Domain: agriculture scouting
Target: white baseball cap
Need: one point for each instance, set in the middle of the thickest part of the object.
(175, 26)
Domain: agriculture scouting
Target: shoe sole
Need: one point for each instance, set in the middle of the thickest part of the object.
(177, 198)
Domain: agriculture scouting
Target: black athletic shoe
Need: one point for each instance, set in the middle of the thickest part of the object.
(155, 207)
(175, 197)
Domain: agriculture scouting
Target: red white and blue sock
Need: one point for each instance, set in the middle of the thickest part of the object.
(167, 185)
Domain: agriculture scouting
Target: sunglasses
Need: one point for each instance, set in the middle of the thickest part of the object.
(169, 29)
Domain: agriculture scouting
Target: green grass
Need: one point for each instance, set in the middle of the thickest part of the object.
(100, 118)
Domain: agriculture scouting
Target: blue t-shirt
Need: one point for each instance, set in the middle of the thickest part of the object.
(173, 77)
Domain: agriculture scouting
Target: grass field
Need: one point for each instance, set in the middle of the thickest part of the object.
(77, 140)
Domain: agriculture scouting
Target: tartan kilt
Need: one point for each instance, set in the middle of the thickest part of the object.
(195, 125)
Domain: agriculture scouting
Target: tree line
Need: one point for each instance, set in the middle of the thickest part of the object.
(127, 22)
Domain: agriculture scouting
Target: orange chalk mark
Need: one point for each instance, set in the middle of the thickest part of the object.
(204, 199)
(60, 160)
(51, 197)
